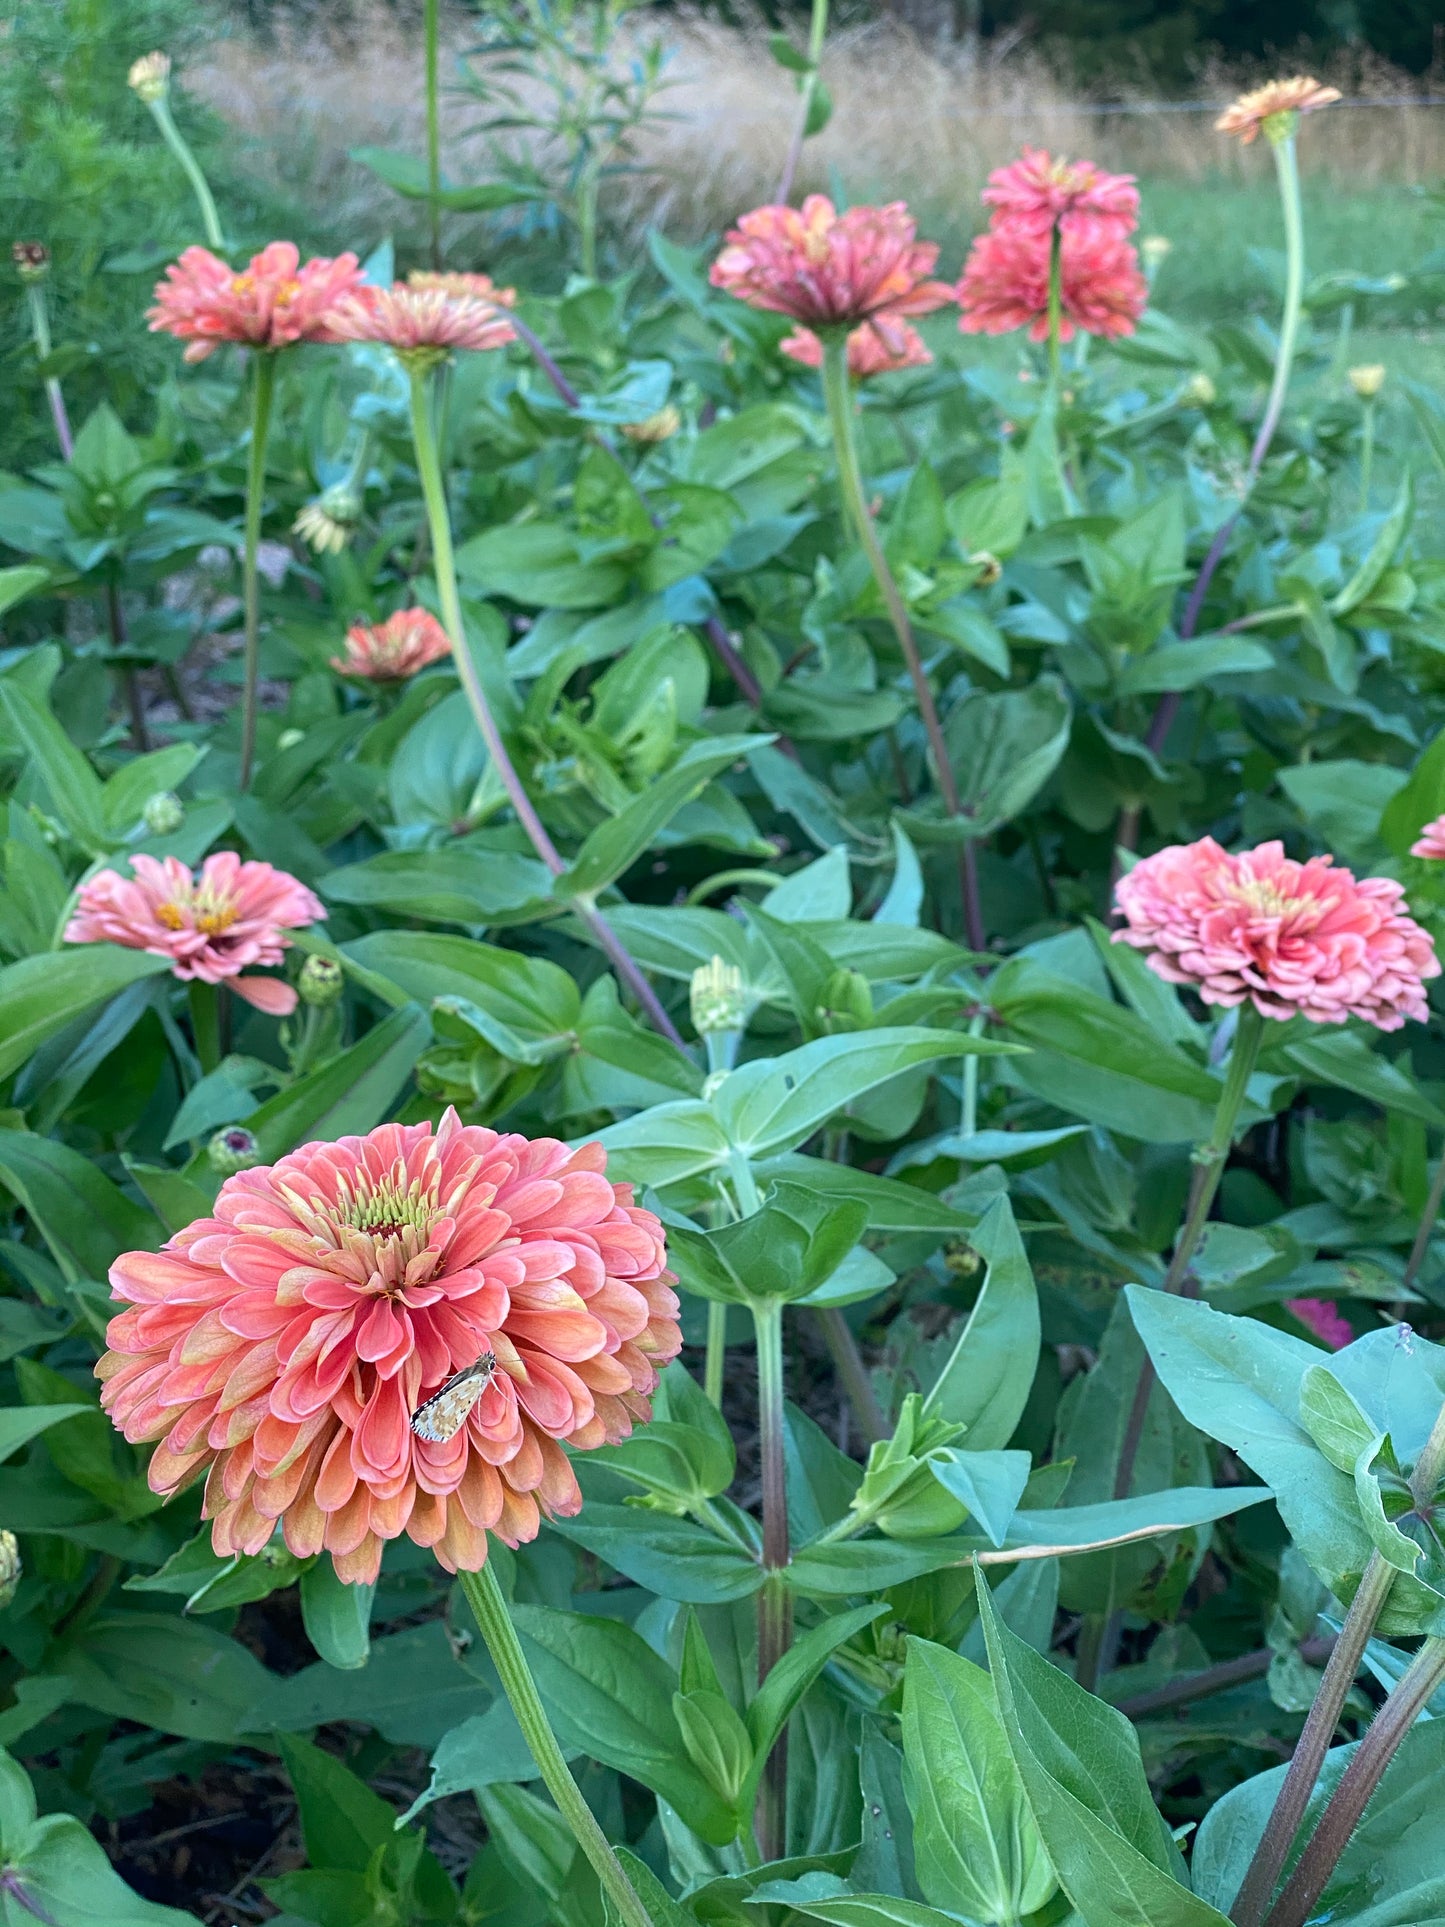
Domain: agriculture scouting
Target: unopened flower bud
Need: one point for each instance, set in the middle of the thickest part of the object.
(12, 1571)
(847, 1001)
(657, 428)
(289, 738)
(329, 522)
(164, 813)
(1154, 247)
(1367, 381)
(1200, 391)
(962, 1260)
(321, 982)
(988, 565)
(150, 77)
(719, 1002)
(232, 1149)
(32, 260)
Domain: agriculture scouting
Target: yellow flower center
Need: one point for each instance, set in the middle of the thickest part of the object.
(204, 911)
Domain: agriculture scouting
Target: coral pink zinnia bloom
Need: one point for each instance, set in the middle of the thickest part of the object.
(1005, 283)
(212, 926)
(1293, 939)
(272, 303)
(1037, 193)
(391, 651)
(284, 1345)
(428, 322)
(1320, 1317)
(1431, 840)
(481, 286)
(1301, 95)
(879, 347)
(824, 268)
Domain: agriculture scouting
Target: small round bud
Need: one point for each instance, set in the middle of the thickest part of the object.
(988, 565)
(719, 1001)
(1199, 391)
(289, 738)
(11, 1568)
(232, 1149)
(321, 982)
(164, 813)
(150, 77)
(657, 428)
(1367, 381)
(1154, 247)
(32, 260)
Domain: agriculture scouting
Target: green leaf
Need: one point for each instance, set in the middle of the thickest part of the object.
(342, 1821)
(976, 1847)
(674, 1558)
(786, 1684)
(874, 1910)
(787, 1248)
(73, 786)
(469, 885)
(127, 792)
(666, 1144)
(1175, 666)
(21, 1423)
(787, 55)
(486, 1750)
(1382, 551)
(81, 1215)
(542, 565)
(1419, 802)
(1346, 1060)
(989, 1484)
(337, 1617)
(40, 995)
(171, 1673)
(18, 583)
(1005, 747)
(522, 1004)
(662, 1909)
(350, 1094)
(406, 174)
(986, 1382)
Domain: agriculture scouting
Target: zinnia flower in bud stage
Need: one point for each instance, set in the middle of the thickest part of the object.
(1293, 939)
(879, 347)
(824, 268)
(1037, 193)
(1320, 1318)
(424, 324)
(1273, 102)
(1431, 840)
(1368, 379)
(233, 915)
(393, 1334)
(150, 77)
(391, 651)
(274, 302)
(1005, 283)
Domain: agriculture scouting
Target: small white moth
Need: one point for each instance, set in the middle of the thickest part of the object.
(443, 1415)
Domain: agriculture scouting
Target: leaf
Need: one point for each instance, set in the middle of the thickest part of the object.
(406, 174)
(127, 792)
(486, 1750)
(350, 1094)
(785, 1249)
(1080, 1766)
(1419, 802)
(18, 583)
(1344, 1059)
(989, 1484)
(976, 1847)
(170, 1673)
(81, 1215)
(874, 1910)
(1005, 747)
(337, 1617)
(21, 1423)
(903, 902)
(73, 787)
(41, 995)
(666, 1143)
(986, 1382)
(342, 1821)
(1176, 666)
(525, 1003)
(675, 1558)
(790, 1678)
(469, 885)
(1382, 551)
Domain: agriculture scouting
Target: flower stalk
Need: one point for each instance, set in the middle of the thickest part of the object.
(431, 37)
(817, 33)
(439, 526)
(33, 277)
(1056, 307)
(839, 399)
(150, 78)
(263, 390)
(484, 1596)
(775, 1603)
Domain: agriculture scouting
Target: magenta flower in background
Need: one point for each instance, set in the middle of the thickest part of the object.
(1037, 193)
(214, 925)
(1293, 939)
(272, 303)
(1320, 1317)
(1005, 283)
(826, 269)
(391, 651)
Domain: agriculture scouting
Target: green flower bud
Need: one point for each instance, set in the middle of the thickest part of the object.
(719, 1000)
(232, 1149)
(164, 813)
(321, 982)
(11, 1568)
(847, 1002)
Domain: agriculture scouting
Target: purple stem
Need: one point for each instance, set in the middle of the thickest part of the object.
(545, 362)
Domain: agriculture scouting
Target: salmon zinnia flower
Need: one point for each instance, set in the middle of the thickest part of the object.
(212, 926)
(272, 303)
(1277, 98)
(1293, 939)
(480, 286)
(300, 1346)
(826, 269)
(1037, 193)
(1005, 283)
(391, 651)
(425, 324)
(879, 347)
(1431, 840)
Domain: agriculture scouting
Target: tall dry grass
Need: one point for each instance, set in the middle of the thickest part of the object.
(912, 119)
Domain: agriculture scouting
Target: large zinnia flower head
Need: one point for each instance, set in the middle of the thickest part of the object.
(213, 925)
(1005, 283)
(272, 303)
(827, 269)
(391, 651)
(1293, 939)
(878, 347)
(1037, 193)
(393, 1334)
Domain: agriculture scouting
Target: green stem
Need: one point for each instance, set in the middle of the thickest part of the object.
(1367, 451)
(1287, 168)
(1314, 1743)
(205, 1002)
(180, 147)
(263, 388)
(1056, 309)
(433, 132)
(40, 329)
(839, 398)
(444, 563)
(775, 1612)
(484, 1596)
(817, 33)
(587, 223)
(852, 1372)
(715, 1359)
(1428, 1219)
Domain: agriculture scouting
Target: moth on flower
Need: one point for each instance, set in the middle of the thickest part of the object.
(443, 1415)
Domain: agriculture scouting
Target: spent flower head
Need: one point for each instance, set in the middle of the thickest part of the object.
(31, 258)
(1275, 107)
(150, 77)
(329, 522)
(879, 346)
(660, 427)
(393, 650)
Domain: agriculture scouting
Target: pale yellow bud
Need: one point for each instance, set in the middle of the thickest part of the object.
(1200, 391)
(657, 428)
(718, 1000)
(150, 77)
(1154, 247)
(1368, 380)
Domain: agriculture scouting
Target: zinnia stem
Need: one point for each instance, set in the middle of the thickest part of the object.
(775, 1603)
(484, 1596)
(1428, 1219)
(1367, 450)
(839, 398)
(439, 524)
(206, 1024)
(40, 330)
(1056, 308)
(1313, 1744)
(263, 388)
(180, 147)
(817, 33)
(433, 132)
(715, 1357)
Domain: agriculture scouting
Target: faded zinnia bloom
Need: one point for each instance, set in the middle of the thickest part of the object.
(391, 651)
(273, 303)
(1431, 840)
(228, 918)
(1321, 1318)
(879, 347)
(425, 324)
(1256, 109)
(1293, 939)
(293, 1346)
(825, 269)
(1005, 284)
(1037, 193)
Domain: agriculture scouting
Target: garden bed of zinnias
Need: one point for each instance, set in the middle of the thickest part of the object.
(723, 1124)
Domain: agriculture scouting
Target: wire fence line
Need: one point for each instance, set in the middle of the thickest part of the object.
(1142, 107)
